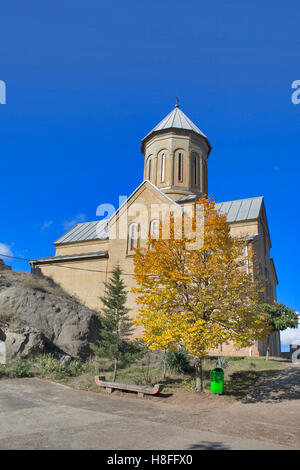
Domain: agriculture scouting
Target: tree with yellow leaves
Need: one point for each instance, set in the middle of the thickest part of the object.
(198, 297)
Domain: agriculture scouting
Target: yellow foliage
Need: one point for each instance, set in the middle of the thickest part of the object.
(197, 297)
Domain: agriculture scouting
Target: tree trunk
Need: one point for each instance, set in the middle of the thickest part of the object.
(268, 349)
(199, 375)
(115, 369)
(165, 365)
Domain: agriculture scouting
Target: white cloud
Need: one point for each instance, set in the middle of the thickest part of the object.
(47, 224)
(79, 218)
(5, 250)
(290, 336)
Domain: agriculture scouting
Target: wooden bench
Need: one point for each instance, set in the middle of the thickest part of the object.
(141, 391)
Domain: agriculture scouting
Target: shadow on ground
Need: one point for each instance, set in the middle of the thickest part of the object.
(206, 445)
(264, 386)
(281, 387)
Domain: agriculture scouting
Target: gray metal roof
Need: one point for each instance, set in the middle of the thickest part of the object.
(97, 230)
(189, 197)
(54, 259)
(236, 211)
(241, 209)
(178, 120)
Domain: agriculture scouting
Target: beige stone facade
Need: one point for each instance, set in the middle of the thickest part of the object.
(175, 174)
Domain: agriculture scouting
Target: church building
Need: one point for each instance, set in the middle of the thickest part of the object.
(176, 154)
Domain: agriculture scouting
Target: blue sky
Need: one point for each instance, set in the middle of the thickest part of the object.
(87, 80)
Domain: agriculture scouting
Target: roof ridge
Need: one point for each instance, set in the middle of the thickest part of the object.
(164, 120)
(250, 205)
(241, 209)
(169, 122)
(179, 115)
(242, 199)
(72, 231)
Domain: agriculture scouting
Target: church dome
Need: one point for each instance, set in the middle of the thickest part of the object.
(176, 119)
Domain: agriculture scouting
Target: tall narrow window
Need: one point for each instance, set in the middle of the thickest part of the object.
(204, 177)
(149, 168)
(163, 167)
(195, 171)
(154, 228)
(180, 167)
(132, 237)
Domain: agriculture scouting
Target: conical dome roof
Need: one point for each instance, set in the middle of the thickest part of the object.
(176, 119)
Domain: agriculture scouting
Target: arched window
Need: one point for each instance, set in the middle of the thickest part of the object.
(163, 167)
(195, 171)
(180, 167)
(133, 235)
(149, 168)
(204, 176)
(154, 228)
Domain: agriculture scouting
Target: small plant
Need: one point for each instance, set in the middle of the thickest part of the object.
(188, 384)
(48, 366)
(77, 367)
(178, 360)
(19, 368)
(5, 316)
(138, 379)
(222, 362)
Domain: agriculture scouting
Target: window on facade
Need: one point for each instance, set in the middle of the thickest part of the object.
(132, 237)
(195, 171)
(204, 176)
(180, 161)
(154, 228)
(163, 167)
(149, 168)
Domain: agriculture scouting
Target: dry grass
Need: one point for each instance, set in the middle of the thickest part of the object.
(239, 375)
(45, 285)
(7, 317)
(38, 283)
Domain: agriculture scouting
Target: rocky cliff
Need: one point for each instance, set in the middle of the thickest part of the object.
(36, 315)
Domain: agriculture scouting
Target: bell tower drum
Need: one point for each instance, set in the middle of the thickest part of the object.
(176, 154)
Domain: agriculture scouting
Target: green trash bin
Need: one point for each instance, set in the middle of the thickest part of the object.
(216, 380)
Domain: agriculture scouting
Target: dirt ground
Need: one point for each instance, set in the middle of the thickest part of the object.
(270, 411)
(40, 414)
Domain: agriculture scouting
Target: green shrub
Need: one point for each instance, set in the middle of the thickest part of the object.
(179, 360)
(18, 368)
(48, 366)
(77, 367)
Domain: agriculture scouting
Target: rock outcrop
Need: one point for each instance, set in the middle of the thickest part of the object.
(50, 318)
(3, 266)
(22, 342)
